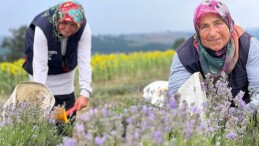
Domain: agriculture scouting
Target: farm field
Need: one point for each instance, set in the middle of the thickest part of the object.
(118, 115)
(113, 75)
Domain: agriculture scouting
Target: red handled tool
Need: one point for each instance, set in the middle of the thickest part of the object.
(61, 115)
(71, 110)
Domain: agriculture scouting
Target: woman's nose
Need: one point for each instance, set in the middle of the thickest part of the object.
(212, 31)
(68, 28)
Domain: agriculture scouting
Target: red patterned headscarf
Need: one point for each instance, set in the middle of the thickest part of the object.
(69, 11)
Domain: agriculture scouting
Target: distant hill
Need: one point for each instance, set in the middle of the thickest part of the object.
(160, 38)
(126, 43)
(142, 42)
(135, 42)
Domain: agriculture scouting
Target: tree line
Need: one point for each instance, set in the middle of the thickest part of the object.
(100, 44)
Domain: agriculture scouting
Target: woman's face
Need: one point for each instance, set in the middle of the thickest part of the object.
(214, 32)
(67, 28)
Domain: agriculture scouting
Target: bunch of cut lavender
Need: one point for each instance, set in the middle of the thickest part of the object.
(220, 115)
(218, 100)
(238, 119)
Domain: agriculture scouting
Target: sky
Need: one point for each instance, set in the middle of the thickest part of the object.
(115, 17)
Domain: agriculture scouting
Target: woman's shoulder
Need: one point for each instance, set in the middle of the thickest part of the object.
(254, 45)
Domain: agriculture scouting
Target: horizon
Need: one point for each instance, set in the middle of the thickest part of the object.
(252, 29)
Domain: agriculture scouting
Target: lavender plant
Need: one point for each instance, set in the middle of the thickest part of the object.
(141, 124)
(26, 125)
(144, 124)
(229, 122)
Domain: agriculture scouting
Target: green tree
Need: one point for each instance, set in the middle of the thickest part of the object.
(15, 43)
(178, 42)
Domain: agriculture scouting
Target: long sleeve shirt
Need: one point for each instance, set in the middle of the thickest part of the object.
(62, 84)
(178, 73)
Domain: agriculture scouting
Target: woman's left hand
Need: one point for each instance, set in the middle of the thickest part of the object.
(82, 102)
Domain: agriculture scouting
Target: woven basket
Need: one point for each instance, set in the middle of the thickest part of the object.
(32, 93)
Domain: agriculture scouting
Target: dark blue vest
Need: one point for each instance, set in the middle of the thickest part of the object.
(57, 63)
(189, 57)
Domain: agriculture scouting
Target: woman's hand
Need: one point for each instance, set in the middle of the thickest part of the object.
(82, 102)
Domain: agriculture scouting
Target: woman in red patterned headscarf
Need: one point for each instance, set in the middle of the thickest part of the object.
(57, 41)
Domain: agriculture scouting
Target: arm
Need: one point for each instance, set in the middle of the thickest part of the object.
(252, 68)
(40, 57)
(178, 75)
(84, 66)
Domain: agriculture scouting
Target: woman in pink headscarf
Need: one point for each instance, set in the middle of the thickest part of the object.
(218, 46)
(56, 42)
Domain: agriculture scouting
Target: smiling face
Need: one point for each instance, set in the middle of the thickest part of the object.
(214, 32)
(67, 28)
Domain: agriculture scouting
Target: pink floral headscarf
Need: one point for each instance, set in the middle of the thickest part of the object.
(212, 6)
(226, 58)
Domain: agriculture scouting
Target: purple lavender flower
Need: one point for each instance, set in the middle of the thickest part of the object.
(24, 104)
(157, 137)
(99, 140)
(232, 111)
(134, 109)
(129, 120)
(169, 93)
(104, 112)
(67, 141)
(242, 104)
(201, 127)
(143, 125)
(166, 119)
(188, 129)
(172, 103)
(2, 124)
(240, 118)
(204, 105)
(166, 128)
(196, 110)
(231, 135)
(144, 109)
(79, 128)
(151, 116)
(210, 129)
(240, 101)
(93, 111)
(85, 117)
(136, 135)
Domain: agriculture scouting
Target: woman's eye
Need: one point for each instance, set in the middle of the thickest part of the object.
(203, 27)
(218, 23)
(74, 25)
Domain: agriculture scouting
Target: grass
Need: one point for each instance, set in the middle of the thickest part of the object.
(123, 90)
